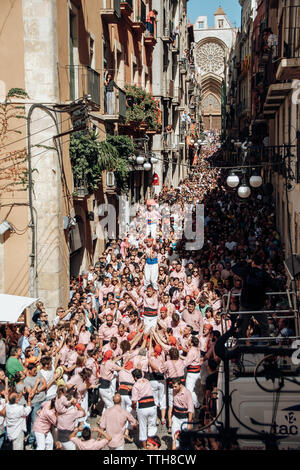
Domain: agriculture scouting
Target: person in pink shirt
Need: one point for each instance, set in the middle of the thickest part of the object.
(193, 317)
(140, 361)
(152, 217)
(150, 308)
(104, 290)
(81, 383)
(193, 364)
(122, 334)
(84, 335)
(66, 424)
(173, 368)
(179, 272)
(85, 442)
(107, 331)
(114, 421)
(46, 418)
(126, 382)
(157, 378)
(112, 309)
(183, 409)
(142, 398)
(165, 302)
(106, 374)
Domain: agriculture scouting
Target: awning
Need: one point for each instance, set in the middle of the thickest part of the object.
(12, 306)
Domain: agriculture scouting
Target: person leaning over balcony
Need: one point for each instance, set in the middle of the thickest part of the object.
(150, 20)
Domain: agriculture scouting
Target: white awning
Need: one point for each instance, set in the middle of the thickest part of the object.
(12, 306)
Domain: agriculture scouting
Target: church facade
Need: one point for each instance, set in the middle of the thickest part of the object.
(211, 50)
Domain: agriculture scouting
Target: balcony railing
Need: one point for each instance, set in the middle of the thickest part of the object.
(115, 105)
(168, 140)
(289, 44)
(84, 81)
(289, 33)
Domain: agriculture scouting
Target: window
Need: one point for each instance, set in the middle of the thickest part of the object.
(221, 23)
(201, 24)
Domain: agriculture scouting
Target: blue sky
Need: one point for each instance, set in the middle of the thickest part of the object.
(197, 8)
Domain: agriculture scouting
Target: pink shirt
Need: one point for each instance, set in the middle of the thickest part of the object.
(79, 385)
(61, 404)
(116, 352)
(45, 419)
(84, 337)
(140, 362)
(103, 291)
(114, 421)
(107, 369)
(91, 444)
(173, 369)
(192, 358)
(183, 399)
(126, 376)
(150, 302)
(107, 332)
(194, 319)
(142, 388)
(68, 419)
(93, 365)
(117, 317)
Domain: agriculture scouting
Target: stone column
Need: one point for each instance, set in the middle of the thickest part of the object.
(41, 84)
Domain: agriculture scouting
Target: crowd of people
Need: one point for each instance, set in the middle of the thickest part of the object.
(135, 347)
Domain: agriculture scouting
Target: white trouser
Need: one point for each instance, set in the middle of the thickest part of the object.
(178, 425)
(18, 442)
(190, 383)
(44, 441)
(68, 445)
(147, 422)
(149, 322)
(151, 275)
(170, 396)
(159, 393)
(85, 405)
(126, 403)
(107, 396)
(151, 230)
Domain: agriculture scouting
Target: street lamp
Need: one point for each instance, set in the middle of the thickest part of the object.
(140, 159)
(233, 180)
(147, 166)
(244, 191)
(255, 181)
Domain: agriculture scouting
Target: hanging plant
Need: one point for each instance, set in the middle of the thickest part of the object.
(142, 108)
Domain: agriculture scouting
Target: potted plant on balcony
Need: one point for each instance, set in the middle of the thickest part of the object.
(144, 111)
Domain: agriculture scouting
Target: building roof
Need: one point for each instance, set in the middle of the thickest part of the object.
(220, 11)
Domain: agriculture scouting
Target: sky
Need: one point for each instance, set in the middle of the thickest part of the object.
(207, 8)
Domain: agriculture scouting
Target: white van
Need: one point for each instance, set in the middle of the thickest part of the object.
(255, 407)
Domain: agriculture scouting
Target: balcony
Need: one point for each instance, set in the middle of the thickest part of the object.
(150, 39)
(126, 8)
(167, 141)
(111, 11)
(289, 44)
(175, 45)
(85, 81)
(114, 107)
(139, 24)
(177, 96)
(166, 37)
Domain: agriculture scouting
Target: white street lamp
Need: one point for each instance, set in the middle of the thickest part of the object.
(140, 160)
(244, 191)
(154, 160)
(255, 181)
(233, 181)
(147, 166)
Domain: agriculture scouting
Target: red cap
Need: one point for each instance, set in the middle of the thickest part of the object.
(80, 347)
(172, 340)
(108, 355)
(208, 326)
(131, 336)
(128, 365)
(158, 349)
(163, 309)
